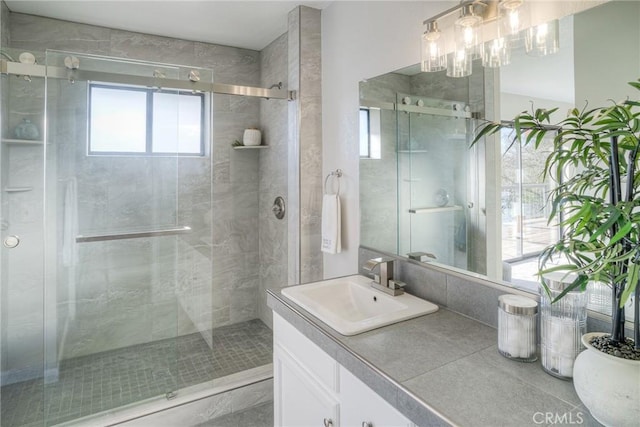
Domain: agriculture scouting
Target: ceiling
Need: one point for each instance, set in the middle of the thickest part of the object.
(246, 24)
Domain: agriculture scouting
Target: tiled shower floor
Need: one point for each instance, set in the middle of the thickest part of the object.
(104, 381)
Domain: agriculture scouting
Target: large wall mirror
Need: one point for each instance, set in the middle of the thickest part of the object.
(425, 193)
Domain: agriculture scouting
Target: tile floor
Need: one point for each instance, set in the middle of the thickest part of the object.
(257, 416)
(108, 380)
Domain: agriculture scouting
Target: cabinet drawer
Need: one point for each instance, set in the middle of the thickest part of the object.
(318, 363)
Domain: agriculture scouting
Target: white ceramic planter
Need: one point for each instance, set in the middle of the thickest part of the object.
(608, 386)
(252, 137)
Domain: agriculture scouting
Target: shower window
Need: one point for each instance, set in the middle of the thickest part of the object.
(370, 146)
(125, 120)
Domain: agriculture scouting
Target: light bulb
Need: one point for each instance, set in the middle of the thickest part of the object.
(514, 16)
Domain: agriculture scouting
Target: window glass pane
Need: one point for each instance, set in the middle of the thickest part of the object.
(364, 133)
(525, 208)
(118, 120)
(536, 208)
(177, 120)
(511, 203)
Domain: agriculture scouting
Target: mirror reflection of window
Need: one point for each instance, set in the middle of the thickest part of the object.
(525, 207)
(370, 147)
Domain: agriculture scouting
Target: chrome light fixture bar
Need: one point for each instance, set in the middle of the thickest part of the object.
(485, 29)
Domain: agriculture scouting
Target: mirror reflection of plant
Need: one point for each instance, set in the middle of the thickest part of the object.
(598, 205)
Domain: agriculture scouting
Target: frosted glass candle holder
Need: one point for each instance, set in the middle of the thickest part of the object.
(517, 327)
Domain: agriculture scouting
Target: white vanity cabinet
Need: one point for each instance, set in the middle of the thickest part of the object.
(362, 407)
(312, 389)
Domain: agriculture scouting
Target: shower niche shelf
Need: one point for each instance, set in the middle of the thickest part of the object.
(250, 147)
(435, 209)
(10, 141)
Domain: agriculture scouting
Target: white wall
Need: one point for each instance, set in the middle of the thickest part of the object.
(609, 58)
(511, 105)
(360, 39)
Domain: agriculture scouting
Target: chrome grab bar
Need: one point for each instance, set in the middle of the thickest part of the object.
(133, 235)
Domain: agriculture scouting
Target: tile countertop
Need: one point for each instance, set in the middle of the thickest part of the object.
(444, 369)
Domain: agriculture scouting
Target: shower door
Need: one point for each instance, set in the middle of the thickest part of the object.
(433, 164)
(128, 191)
(22, 232)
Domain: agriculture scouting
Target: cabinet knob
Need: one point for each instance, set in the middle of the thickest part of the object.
(367, 424)
(328, 422)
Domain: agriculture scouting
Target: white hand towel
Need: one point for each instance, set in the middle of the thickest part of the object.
(331, 229)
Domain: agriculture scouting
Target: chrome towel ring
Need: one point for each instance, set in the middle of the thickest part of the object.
(337, 174)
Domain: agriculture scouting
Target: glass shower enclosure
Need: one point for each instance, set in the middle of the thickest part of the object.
(107, 259)
(434, 187)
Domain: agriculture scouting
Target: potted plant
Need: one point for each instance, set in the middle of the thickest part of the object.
(598, 207)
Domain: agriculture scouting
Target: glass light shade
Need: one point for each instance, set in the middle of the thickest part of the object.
(543, 39)
(459, 63)
(514, 17)
(469, 38)
(496, 53)
(433, 51)
(468, 17)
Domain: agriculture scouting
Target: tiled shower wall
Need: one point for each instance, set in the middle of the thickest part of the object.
(273, 174)
(292, 167)
(233, 223)
(305, 153)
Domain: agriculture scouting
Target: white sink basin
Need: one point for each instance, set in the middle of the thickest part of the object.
(351, 306)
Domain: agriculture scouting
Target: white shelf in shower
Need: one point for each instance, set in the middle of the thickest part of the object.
(435, 209)
(10, 141)
(250, 147)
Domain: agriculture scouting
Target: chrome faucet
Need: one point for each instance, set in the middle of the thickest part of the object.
(384, 281)
(421, 256)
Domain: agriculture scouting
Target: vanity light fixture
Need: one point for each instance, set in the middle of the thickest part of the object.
(459, 63)
(542, 39)
(467, 32)
(497, 53)
(512, 19)
(486, 29)
(433, 50)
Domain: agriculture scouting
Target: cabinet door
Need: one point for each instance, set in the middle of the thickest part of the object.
(299, 400)
(360, 406)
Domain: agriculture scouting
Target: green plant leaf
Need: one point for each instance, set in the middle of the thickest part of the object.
(606, 225)
(633, 271)
(622, 232)
(486, 129)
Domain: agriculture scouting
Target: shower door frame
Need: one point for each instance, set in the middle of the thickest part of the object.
(36, 70)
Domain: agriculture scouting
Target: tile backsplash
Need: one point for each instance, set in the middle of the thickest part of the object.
(470, 296)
